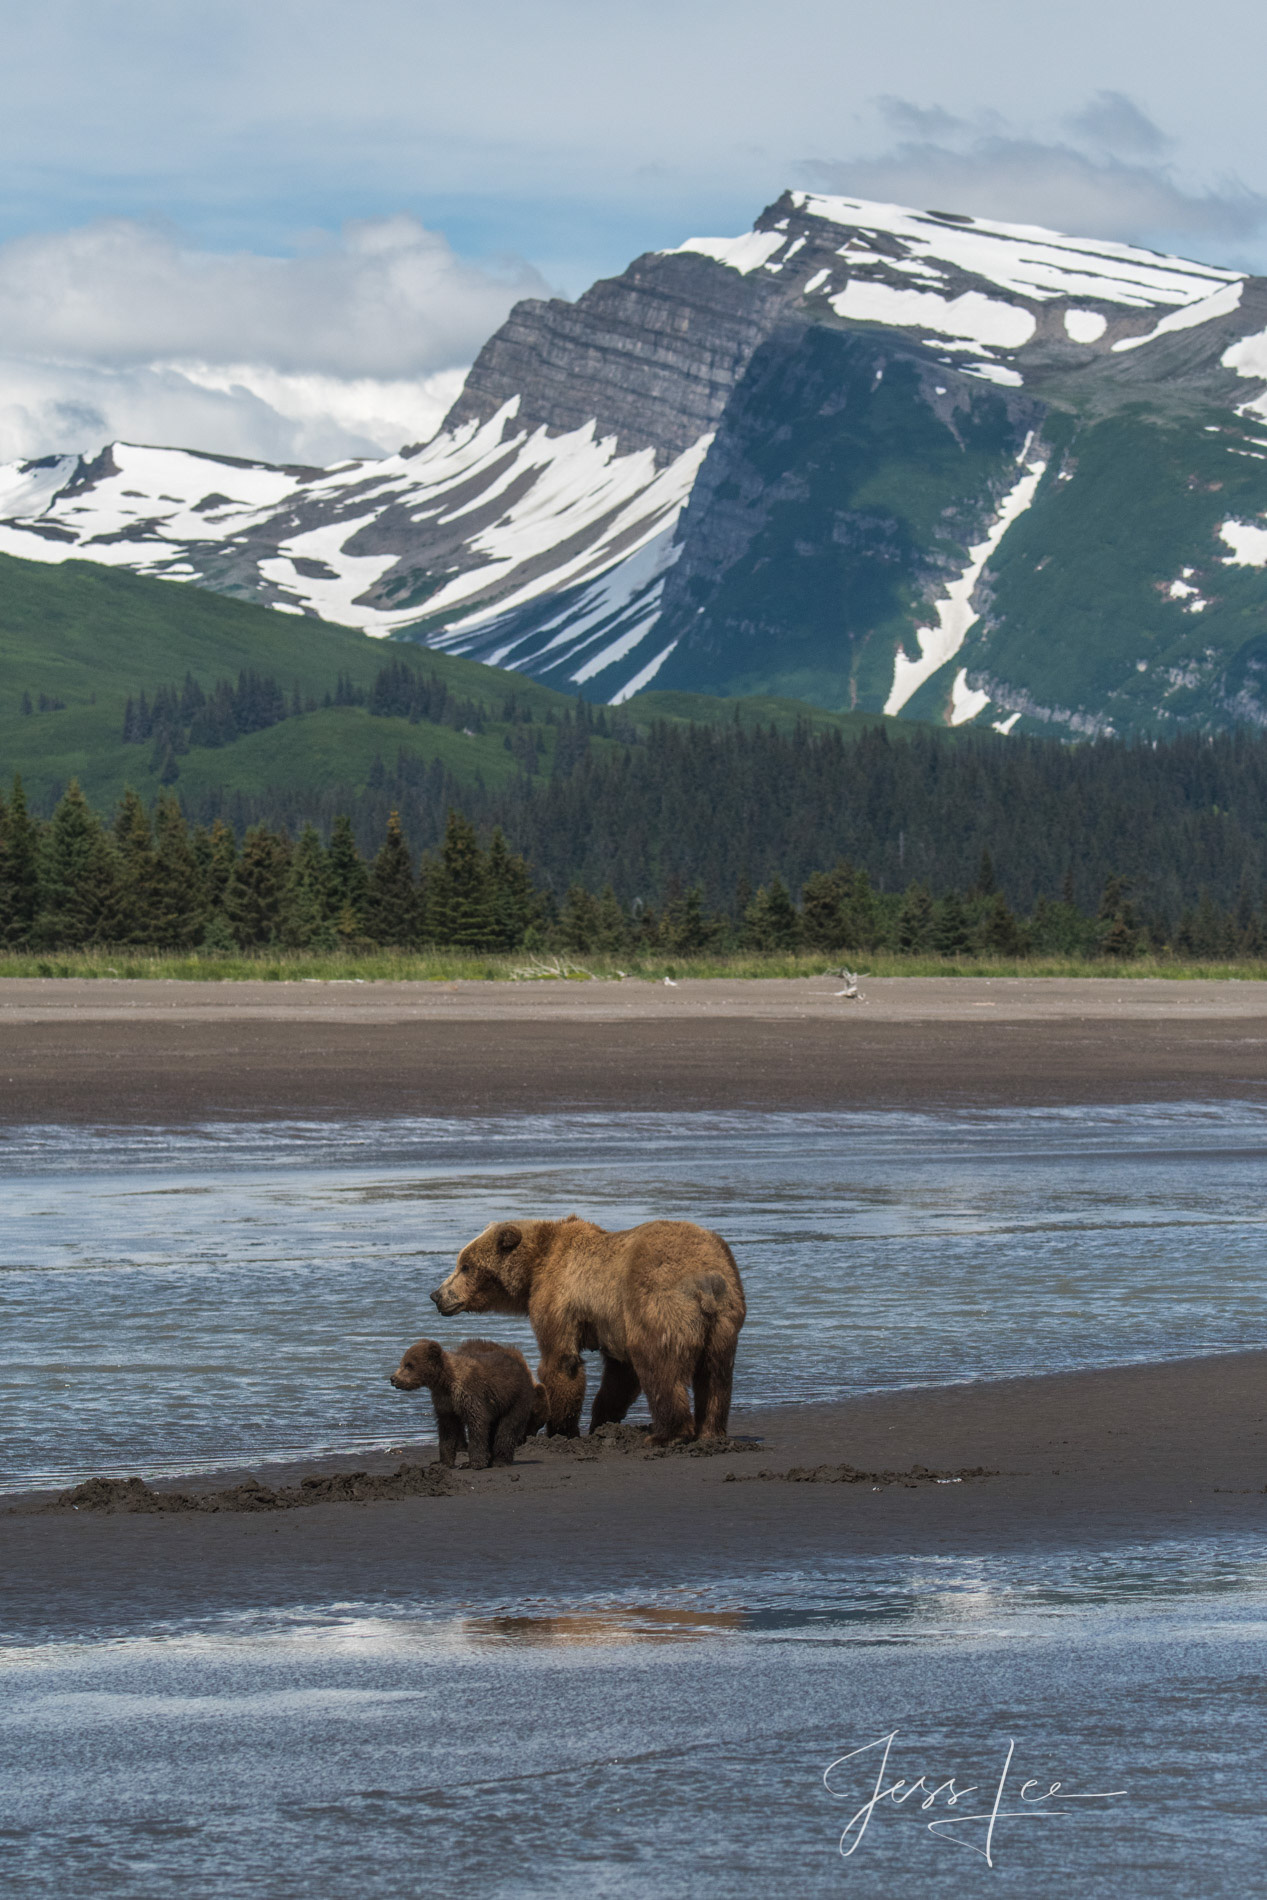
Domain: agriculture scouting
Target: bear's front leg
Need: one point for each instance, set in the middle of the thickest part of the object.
(619, 1388)
(563, 1376)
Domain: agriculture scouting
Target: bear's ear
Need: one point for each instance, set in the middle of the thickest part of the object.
(508, 1238)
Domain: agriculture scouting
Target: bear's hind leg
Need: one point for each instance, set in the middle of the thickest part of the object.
(713, 1376)
(669, 1399)
(619, 1388)
(512, 1429)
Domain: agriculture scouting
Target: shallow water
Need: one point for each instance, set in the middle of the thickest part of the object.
(219, 1296)
(185, 1300)
(665, 1747)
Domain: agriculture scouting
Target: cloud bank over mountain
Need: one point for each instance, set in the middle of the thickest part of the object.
(352, 347)
(1108, 174)
(163, 164)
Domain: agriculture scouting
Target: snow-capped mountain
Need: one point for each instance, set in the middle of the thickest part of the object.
(861, 455)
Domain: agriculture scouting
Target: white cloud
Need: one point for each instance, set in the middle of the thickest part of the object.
(1105, 181)
(1115, 123)
(353, 347)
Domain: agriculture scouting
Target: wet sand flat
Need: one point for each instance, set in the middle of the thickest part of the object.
(134, 1051)
(1103, 1458)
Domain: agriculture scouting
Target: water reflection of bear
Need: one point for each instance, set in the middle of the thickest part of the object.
(663, 1303)
(484, 1396)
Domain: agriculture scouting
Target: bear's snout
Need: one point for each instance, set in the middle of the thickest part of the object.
(446, 1303)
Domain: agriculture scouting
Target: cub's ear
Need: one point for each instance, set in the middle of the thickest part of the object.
(508, 1238)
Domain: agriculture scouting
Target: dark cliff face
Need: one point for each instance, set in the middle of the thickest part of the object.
(651, 357)
(845, 483)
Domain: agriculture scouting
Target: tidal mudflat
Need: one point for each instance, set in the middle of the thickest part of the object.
(626, 1674)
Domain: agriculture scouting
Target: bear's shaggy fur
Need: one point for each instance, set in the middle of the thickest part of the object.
(485, 1398)
(663, 1303)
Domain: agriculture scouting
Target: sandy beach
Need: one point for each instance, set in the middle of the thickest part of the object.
(137, 1051)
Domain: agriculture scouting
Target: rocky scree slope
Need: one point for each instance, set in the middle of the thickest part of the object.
(863, 456)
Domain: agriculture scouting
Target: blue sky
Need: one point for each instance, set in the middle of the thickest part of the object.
(183, 183)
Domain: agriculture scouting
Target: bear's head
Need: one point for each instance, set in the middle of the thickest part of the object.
(493, 1273)
(423, 1364)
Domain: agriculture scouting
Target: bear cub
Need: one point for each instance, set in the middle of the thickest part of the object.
(485, 1398)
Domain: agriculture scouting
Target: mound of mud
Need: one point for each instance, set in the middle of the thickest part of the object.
(634, 1440)
(850, 1474)
(358, 1487)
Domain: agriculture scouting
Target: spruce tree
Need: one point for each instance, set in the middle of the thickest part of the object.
(579, 921)
(863, 920)
(1118, 930)
(998, 933)
(458, 908)
(345, 879)
(253, 896)
(304, 902)
(391, 898)
(951, 936)
(771, 921)
(613, 926)
(512, 901)
(824, 901)
(915, 920)
(19, 869)
(78, 880)
(178, 900)
(134, 852)
(221, 854)
(685, 926)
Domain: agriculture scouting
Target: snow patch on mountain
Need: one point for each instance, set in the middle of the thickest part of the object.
(980, 319)
(1085, 326)
(1220, 304)
(955, 614)
(548, 514)
(1248, 542)
(1026, 259)
(593, 628)
(746, 253)
(1248, 357)
(966, 702)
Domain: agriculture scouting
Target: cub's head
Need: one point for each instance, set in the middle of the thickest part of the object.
(421, 1365)
(492, 1274)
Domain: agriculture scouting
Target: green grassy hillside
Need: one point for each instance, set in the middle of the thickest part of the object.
(93, 636)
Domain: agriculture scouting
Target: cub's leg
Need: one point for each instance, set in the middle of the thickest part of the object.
(619, 1388)
(451, 1435)
(563, 1376)
(479, 1433)
(512, 1429)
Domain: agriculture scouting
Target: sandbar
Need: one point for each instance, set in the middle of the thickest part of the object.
(165, 1052)
(1088, 1460)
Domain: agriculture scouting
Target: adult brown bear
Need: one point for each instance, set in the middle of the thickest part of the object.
(663, 1303)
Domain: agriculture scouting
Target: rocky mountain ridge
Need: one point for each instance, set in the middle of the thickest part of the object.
(863, 456)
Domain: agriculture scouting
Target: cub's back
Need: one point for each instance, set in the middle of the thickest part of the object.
(483, 1365)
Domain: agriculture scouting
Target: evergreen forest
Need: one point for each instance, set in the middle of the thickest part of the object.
(150, 877)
